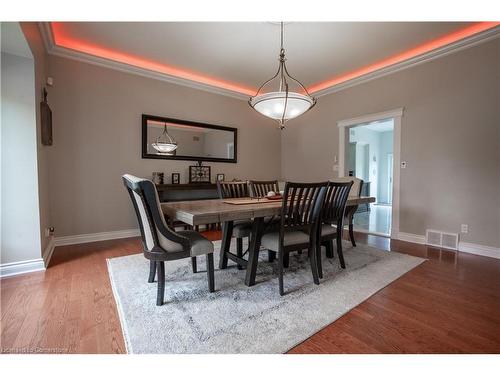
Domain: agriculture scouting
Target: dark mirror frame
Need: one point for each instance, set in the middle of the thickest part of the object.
(145, 154)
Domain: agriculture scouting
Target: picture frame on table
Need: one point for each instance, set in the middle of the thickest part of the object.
(176, 178)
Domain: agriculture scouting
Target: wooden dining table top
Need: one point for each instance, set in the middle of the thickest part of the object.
(211, 211)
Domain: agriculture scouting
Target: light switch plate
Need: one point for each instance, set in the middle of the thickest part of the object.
(403, 164)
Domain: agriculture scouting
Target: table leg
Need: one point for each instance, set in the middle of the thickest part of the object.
(253, 250)
(225, 246)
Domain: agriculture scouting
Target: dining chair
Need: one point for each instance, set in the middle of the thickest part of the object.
(160, 243)
(300, 214)
(351, 210)
(332, 216)
(259, 189)
(240, 228)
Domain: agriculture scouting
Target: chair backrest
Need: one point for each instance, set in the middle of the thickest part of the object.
(356, 187)
(232, 189)
(260, 189)
(157, 237)
(337, 194)
(302, 205)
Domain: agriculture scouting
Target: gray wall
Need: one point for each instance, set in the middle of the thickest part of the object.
(20, 224)
(35, 43)
(450, 139)
(96, 109)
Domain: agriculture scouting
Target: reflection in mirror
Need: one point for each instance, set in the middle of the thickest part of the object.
(175, 139)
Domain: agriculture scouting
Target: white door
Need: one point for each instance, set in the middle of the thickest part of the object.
(390, 164)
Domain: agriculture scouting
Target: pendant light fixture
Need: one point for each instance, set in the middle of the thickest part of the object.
(283, 103)
(166, 146)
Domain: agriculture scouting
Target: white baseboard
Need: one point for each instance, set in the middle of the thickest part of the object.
(472, 248)
(49, 250)
(465, 247)
(93, 237)
(410, 237)
(25, 266)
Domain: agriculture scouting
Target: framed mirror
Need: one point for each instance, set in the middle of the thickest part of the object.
(168, 138)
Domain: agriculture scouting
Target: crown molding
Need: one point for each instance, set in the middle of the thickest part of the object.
(459, 45)
(56, 50)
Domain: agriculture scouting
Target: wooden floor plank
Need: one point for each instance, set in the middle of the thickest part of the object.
(449, 304)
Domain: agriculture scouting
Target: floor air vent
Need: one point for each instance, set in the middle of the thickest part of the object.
(441, 239)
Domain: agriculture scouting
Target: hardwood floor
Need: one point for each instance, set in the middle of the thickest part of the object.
(449, 304)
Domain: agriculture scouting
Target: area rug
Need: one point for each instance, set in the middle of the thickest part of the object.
(239, 319)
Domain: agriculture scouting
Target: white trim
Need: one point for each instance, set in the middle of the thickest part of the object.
(380, 234)
(18, 268)
(410, 237)
(396, 115)
(398, 112)
(448, 49)
(471, 248)
(93, 237)
(49, 250)
(464, 247)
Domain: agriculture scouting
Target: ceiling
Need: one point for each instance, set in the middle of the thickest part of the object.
(242, 55)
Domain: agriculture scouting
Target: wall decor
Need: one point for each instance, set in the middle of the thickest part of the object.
(220, 176)
(46, 120)
(176, 178)
(158, 178)
(174, 139)
(199, 174)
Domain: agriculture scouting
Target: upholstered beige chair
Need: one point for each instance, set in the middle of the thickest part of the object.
(161, 243)
(351, 210)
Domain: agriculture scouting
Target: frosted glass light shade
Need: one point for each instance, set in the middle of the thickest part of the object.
(164, 148)
(272, 104)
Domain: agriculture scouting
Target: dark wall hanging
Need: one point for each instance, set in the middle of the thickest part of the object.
(46, 120)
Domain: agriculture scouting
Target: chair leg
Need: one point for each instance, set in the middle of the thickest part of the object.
(210, 272)
(319, 261)
(271, 255)
(314, 264)
(351, 233)
(286, 260)
(299, 252)
(329, 248)
(152, 271)
(339, 251)
(280, 272)
(239, 249)
(161, 283)
(194, 265)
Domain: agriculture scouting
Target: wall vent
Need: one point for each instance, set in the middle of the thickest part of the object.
(441, 239)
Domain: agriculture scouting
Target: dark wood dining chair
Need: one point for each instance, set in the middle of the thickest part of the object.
(300, 216)
(239, 228)
(161, 243)
(259, 189)
(332, 219)
(351, 210)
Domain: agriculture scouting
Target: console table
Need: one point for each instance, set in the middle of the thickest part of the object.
(186, 192)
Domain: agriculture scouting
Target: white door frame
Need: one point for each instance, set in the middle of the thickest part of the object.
(395, 114)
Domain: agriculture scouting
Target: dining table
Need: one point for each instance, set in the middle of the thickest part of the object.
(227, 211)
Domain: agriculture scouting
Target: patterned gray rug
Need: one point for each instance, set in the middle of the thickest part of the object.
(238, 319)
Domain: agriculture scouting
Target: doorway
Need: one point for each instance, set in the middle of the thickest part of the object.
(369, 150)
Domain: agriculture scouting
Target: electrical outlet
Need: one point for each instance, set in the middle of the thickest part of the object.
(464, 228)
